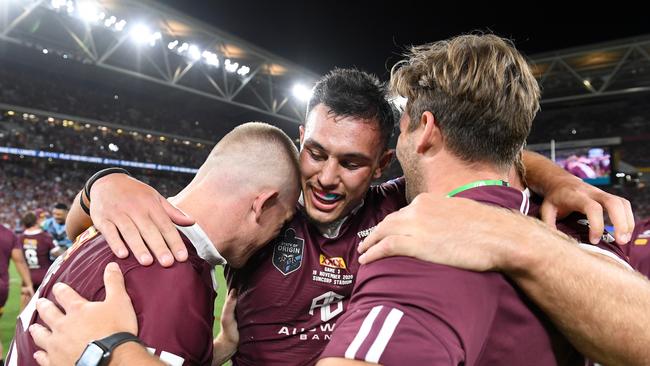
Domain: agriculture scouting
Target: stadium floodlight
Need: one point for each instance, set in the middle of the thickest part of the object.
(70, 7)
(244, 70)
(113, 147)
(110, 21)
(172, 45)
(119, 26)
(184, 47)
(211, 58)
(88, 11)
(45, 51)
(301, 92)
(141, 34)
(194, 52)
(230, 66)
(58, 4)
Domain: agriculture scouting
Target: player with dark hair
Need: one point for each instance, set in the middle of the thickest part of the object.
(10, 249)
(471, 103)
(39, 251)
(251, 177)
(293, 292)
(55, 225)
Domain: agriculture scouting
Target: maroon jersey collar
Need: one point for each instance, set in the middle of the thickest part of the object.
(506, 197)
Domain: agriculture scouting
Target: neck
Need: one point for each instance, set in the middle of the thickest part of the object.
(443, 173)
(192, 201)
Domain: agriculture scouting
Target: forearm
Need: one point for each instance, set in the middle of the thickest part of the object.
(132, 353)
(542, 174)
(77, 220)
(600, 306)
(21, 267)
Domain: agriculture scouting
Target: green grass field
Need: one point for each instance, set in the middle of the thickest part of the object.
(8, 320)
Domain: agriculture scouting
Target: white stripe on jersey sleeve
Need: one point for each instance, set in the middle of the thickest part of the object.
(364, 330)
(594, 249)
(387, 330)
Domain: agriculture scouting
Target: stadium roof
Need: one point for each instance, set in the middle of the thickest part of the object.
(604, 69)
(149, 41)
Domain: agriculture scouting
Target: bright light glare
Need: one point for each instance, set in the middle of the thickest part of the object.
(88, 11)
(244, 70)
(230, 66)
(194, 52)
(301, 92)
(211, 58)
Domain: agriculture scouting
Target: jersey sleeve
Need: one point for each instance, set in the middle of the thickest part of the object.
(405, 311)
(175, 312)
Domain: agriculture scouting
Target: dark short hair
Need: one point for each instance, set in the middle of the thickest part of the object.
(61, 206)
(355, 93)
(29, 219)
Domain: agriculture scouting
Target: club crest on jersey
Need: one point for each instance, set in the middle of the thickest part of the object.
(335, 262)
(288, 252)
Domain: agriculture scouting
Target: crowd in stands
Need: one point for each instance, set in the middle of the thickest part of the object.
(28, 184)
(54, 92)
(40, 133)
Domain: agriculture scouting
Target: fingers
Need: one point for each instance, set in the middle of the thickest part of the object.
(133, 239)
(392, 224)
(113, 238)
(549, 215)
(230, 304)
(594, 212)
(154, 240)
(40, 334)
(616, 210)
(176, 215)
(387, 247)
(630, 221)
(169, 231)
(67, 297)
(41, 358)
(48, 312)
(114, 283)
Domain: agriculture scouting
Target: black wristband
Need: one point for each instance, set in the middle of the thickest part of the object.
(99, 174)
(82, 204)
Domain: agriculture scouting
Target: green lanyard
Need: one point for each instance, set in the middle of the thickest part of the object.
(478, 183)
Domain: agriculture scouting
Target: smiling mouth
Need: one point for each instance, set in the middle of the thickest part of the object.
(325, 201)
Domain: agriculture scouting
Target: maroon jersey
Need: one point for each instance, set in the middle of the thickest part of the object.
(408, 312)
(8, 242)
(292, 293)
(576, 226)
(36, 247)
(638, 249)
(174, 306)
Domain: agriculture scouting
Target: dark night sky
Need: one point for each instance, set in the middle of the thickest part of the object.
(320, 35)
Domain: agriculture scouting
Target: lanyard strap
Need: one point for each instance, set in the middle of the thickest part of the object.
(478, 183)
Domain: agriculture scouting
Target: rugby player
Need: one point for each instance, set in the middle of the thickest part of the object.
(251, 177)
(10, 249)
(342, 150)
(471, 103)
(39, 250)
(55, 225)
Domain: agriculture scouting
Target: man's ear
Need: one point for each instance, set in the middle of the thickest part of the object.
(430, 132)
(263, 202)
(384, 162)
(301, 129)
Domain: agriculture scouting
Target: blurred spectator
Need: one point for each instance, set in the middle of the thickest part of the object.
(31, 184)
(69, 137)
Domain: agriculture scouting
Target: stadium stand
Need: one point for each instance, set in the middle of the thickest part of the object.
(27, 184)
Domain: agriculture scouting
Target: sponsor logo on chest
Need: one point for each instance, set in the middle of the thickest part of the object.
(363, 233)
(288, 252)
